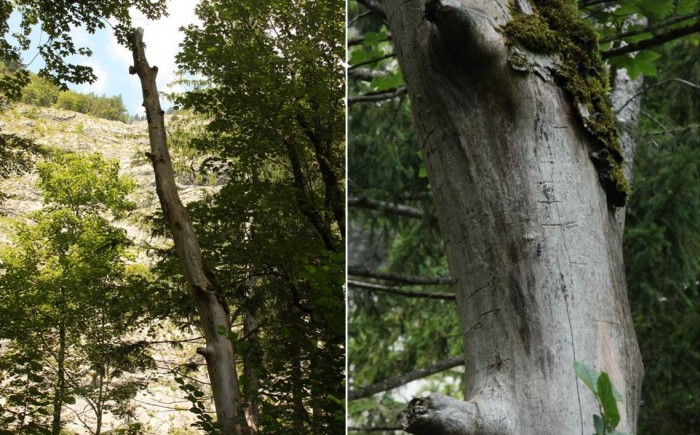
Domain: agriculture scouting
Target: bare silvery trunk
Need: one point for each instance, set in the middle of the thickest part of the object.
(535, 250)
(251, 360)
(213, 311)
(626, 103)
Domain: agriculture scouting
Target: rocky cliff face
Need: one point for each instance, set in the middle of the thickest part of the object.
(161, 408)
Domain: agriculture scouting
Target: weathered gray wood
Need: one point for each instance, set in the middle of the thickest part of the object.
(534, 249)
(212, 309)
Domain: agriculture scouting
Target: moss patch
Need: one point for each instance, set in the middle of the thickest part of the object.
(533, 33)
(555, 27)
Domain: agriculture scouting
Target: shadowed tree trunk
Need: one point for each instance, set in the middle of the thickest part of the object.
(251, 359)
(213, 311)
(60, 378)
(527, 213)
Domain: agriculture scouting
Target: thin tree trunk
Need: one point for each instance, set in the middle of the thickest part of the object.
(322, 151)
(100, 404)
(626, 101)
(300, 414)
(535, 250)
(251, 361)
(305, 200)
(60, 380)
(213, 311)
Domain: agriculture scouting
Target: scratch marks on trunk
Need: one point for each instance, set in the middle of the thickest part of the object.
(496, 364)
(519, 302)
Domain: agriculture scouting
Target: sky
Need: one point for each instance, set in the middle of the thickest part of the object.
(110, 61)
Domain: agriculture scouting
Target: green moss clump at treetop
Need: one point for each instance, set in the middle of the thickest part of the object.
(555, 27)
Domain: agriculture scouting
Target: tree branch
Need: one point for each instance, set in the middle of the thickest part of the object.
(374, 6)
(355, 19)
(397, 381)
(653, 42)
(587, 3)
(360, 39)
(439, 414)
(646, 88)
(388, 207)
(366, 74)
(378, 96)
(399, 292)
(650, 28)
(373, 60)
(399, 279)
(374, 429)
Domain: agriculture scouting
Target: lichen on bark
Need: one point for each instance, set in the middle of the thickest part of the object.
(555, 27)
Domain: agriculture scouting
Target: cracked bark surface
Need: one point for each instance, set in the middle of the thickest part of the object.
(535, 251)
(211, 307)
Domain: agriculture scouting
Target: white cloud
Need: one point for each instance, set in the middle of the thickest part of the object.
(100, 85)
(162, 37)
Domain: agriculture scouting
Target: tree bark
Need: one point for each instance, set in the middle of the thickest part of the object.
(251, 360)
(535, 250)
(626, 102)
(60, 379)
(213, 311)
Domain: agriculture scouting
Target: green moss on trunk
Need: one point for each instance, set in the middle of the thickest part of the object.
(555, 27)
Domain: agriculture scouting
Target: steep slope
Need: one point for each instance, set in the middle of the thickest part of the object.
(162, 408)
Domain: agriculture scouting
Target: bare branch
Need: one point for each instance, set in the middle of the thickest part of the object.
(366, 74)
(650, 28)
(360, 39)
(370, 61)
(353, 20)
(653, 42)
(397, 291)
(397, 381)
(374, 6)
(373, 97)
(374, 429)
(387, 207)
(399, 279)
(646, 88)
(587, 3)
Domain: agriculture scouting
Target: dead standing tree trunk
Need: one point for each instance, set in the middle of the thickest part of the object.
(528, 222)
(213, 311)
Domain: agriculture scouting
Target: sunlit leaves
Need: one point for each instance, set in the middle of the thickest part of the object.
(100, 188)
(56, 20)
(641, 63)
(65, 297)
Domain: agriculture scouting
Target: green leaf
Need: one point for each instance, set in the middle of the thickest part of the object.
(422, 172)
(684, 7)
(608, 402)
(392, 81)
(645, 62)
(588, 375)
(656, 9)
(598, 424)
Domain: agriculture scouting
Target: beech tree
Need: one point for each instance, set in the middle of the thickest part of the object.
(272, 98)
(66, 300)
(525, 164)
